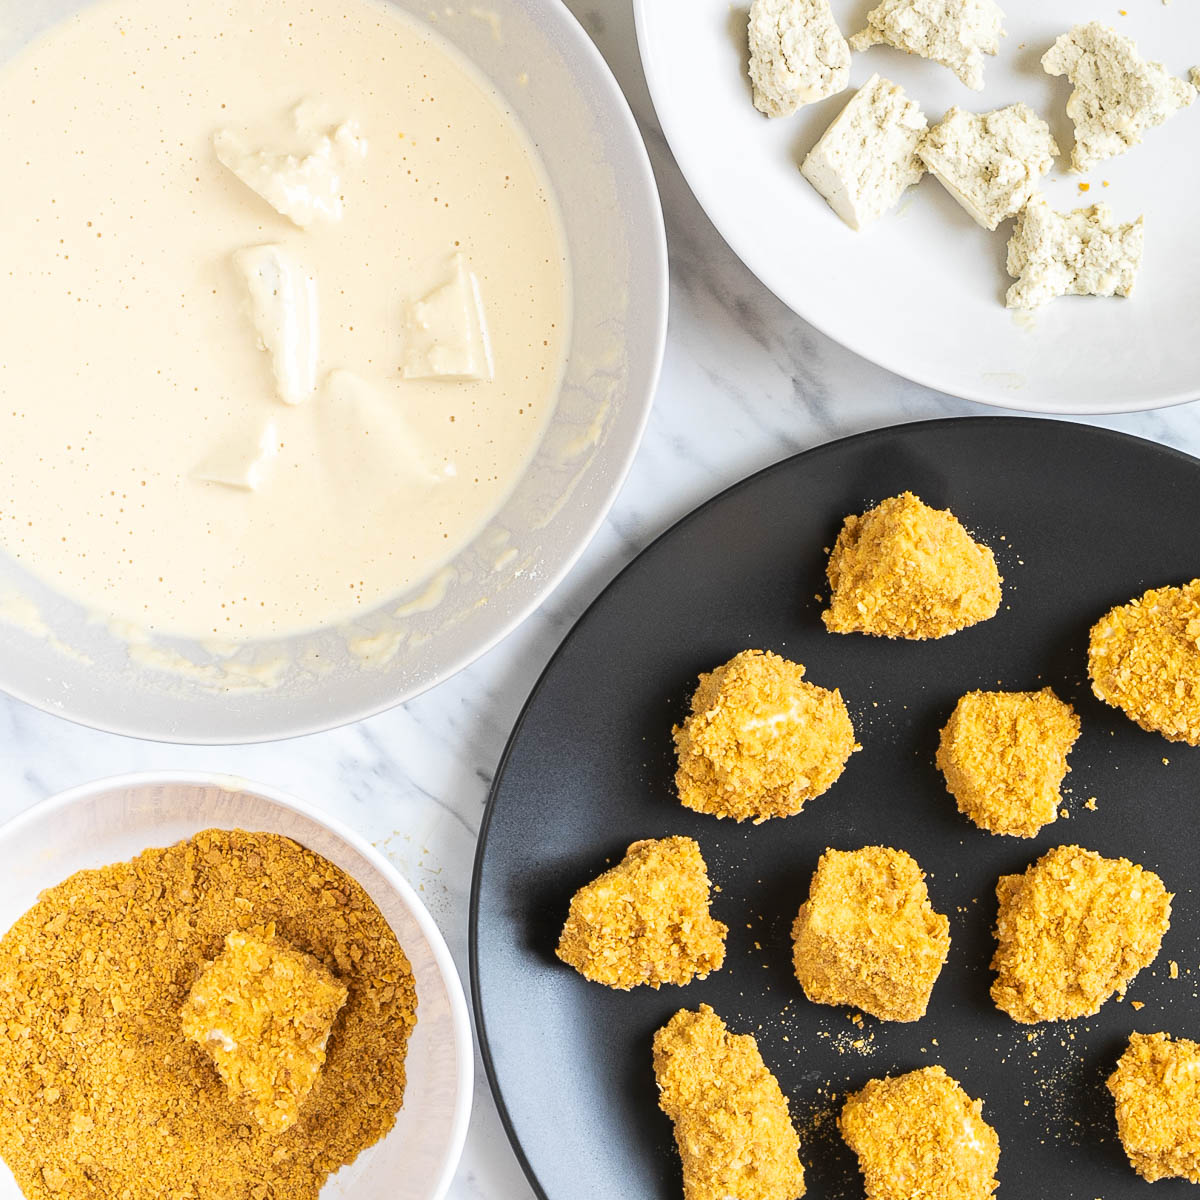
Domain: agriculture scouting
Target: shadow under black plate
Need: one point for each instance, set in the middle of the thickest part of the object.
(1080, 519)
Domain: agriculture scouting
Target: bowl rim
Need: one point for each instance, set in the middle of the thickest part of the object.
(459, 1018)
(641, 188)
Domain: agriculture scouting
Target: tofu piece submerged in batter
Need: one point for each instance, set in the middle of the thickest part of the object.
(1156, 1091)
(646, 920)
(732, 1126)
(905, 570)
(1004, 756)
(955, 33)
(760, 741)
(1144, 658)
(920, 1135)
(797, 54)
(1118, 94)
(1072, 931)
(867, 935)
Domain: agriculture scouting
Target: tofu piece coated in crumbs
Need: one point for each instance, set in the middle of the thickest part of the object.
(760, 741)
(797, 54)
(1084, 252)
(867, 158)
(921, 1137)
(1156, 1091)
(1072, 931)
(1004, 756)
(732, 1126)
(990, 163)
(646, 920)
(867, 935)
(263, 1011)
(1118, 94)
(955, 33)
(1144, 658)
(906, 570)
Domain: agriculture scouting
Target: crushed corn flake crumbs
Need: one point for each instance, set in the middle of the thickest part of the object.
(102, 1095)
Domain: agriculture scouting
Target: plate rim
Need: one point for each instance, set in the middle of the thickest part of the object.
(477, 1002)
(761, 267)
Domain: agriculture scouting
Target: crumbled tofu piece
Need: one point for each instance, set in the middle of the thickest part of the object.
(646, 920)
(1118, 94)
(1004, 756)
(243, 459)
(991, 162)
(264, 1012)
(1072, 931)
(1144, 658)
(305, 186)
(445, 332)
(955, 33)
(797, 54)
(760, 740)
(867, 158)
(906, 570)
(281, 299)
(732, 1126)
(1156, 1092)
(867, 935)
(1084, 252)
(920, 1135)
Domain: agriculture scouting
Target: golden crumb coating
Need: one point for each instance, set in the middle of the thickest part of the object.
(1072, 930)
(732, 1126)
(867, 935)
(921, 1137)
(263, 1011)
(1156, 1089)
(1004, 756)
(760, 741)
(905, 570)
(1144, 658)
(646, 920)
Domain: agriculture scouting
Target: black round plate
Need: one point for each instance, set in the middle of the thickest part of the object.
(1080, 519)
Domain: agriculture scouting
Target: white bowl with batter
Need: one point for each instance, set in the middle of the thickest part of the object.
(140, 593)
(114, 820)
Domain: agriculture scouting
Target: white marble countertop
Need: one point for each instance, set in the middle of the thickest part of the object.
(745, 383)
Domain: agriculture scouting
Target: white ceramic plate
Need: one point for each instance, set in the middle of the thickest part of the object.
(922, 291)
(115, 819)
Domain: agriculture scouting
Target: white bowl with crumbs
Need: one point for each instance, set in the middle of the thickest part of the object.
(115, 820)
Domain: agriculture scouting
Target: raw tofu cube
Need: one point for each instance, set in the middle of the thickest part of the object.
(955, 33)
(1079, 253)
(263, 1011)
(797, 54)
(867, 157)
(446, 333)
(990, 162)
(1118, 94)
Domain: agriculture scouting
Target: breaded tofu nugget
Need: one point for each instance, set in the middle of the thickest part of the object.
(921, 1137)
(1156, 1088)
(732, 1126)
(1144, 658)
(1073, 930)
(1004, 756)
(760, 741)
(646, 920)
(905, 570)
(867, 935)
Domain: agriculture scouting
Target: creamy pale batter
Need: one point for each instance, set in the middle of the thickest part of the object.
(149, 466)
